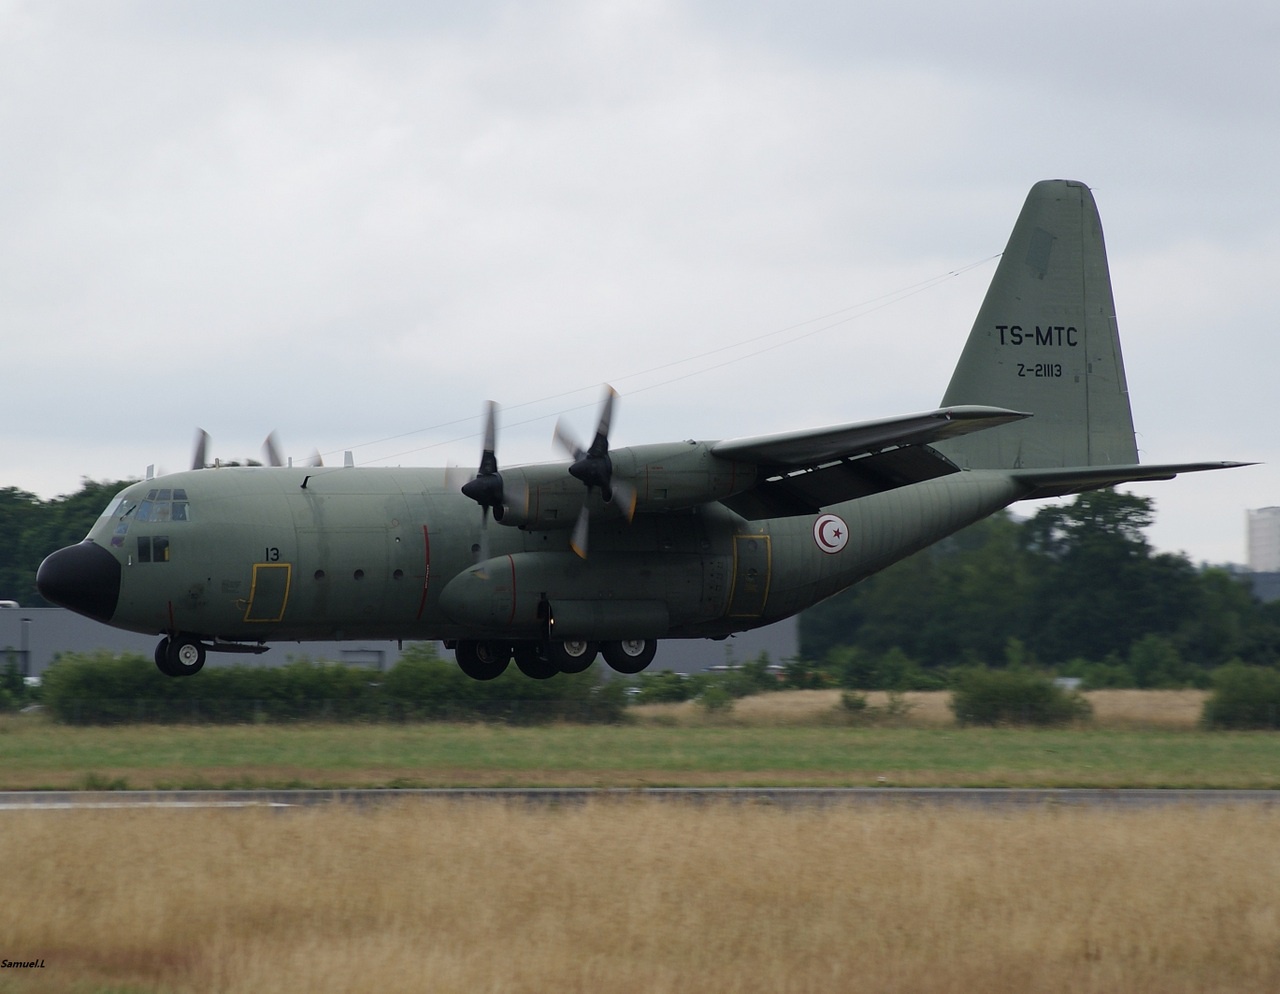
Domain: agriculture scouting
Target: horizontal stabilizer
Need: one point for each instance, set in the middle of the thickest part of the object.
(1067, 481)
(817, 446)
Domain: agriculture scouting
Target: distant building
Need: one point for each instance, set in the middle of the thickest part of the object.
(1264, 539)
(34, 637)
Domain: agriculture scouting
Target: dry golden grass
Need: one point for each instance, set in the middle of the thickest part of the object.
(642, 897)
(1168, 709)
(1127, 709)
(802, 708)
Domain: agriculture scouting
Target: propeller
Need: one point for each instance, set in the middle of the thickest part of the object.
(271, 450)
(202, 449)
(485, 488)
(594, 468)
(272, 456)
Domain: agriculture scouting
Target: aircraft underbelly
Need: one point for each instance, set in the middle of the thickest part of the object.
(612, 595)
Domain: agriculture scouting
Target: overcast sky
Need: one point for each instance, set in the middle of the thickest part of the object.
(354, 223)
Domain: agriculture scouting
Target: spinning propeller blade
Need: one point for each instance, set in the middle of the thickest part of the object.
(595, 469)
(202, 449)
(271, 450)
(485, 488)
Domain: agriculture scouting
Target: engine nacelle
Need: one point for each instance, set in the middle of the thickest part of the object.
(670, 477)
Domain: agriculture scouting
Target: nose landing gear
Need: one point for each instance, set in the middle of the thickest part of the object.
(180, 655)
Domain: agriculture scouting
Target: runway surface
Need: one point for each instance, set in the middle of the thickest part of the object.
(782, 796)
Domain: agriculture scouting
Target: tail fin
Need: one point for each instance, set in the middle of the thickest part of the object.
(1045, 342)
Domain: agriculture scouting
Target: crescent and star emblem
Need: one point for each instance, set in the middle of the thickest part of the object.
(831, 533)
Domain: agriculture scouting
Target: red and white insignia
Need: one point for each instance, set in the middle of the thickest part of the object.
(831, 533)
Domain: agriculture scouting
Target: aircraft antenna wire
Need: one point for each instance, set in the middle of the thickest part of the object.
(824, 322)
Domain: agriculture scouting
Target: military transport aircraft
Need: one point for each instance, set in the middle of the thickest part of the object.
(686, 539)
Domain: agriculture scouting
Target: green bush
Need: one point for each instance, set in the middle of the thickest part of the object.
(1112, 673)
(13, 691)
(1014, 697)
(1243, 697)
(101, 688)
(800, 674)
(716, 699)
(856, 669)
(752, 677)
(666, 687)
(1156, 663)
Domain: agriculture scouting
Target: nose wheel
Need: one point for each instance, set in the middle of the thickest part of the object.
(180, 655)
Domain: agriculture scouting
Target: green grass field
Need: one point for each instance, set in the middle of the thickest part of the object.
(776, 740)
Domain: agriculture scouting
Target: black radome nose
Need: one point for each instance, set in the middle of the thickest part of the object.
(84, 578)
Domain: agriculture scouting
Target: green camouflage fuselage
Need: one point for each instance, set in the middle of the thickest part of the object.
(390, 553)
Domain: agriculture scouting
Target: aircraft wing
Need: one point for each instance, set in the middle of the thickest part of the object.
(815, 446)
(804, 471)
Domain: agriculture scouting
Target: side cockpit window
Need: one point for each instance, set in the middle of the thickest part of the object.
(153, 550)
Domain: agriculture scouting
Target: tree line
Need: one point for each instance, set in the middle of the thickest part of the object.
(31, 528)
(1076, 588)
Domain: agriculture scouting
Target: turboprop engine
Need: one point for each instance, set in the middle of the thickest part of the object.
(649, 478)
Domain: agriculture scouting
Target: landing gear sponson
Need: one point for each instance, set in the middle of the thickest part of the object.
(183, 654)
(487, 660)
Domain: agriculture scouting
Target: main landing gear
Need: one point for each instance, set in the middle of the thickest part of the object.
(488, 660)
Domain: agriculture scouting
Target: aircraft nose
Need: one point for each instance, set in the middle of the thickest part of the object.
(84, 578)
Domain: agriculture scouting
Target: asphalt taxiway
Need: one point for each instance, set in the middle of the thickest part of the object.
(781, 796)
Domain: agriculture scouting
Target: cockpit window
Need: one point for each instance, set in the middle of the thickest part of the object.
(164, 505)
(161, 505)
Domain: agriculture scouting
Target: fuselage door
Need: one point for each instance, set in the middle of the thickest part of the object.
(269, 593)
(752, 563)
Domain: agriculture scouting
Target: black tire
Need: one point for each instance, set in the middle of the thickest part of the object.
(162, 657)
(571, 655)
(533, 663)
(482, 660)
(185, 656)
(630, 656)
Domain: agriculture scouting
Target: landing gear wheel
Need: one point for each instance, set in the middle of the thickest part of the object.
(482, 660)
(571, 655)
(533, 663)
(630, 656)
(162, 657)
(184, 655)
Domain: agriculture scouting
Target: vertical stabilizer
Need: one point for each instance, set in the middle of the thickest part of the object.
(1046, 342)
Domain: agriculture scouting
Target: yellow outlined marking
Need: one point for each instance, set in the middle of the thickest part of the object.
(755, 599)
(267, 581)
